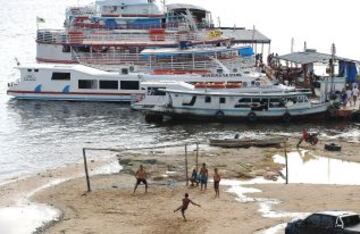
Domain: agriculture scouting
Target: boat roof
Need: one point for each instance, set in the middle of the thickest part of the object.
(194, 50)
(242, 35)
(120, 2)
(264, 94)
(65, 67)
(311, 56)
(168, 83)
(175, 6)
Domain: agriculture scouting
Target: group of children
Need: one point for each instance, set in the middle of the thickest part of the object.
(201, 178)
(350, 96)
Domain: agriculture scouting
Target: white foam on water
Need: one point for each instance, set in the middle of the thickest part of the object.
(26, 216)
(25, 219)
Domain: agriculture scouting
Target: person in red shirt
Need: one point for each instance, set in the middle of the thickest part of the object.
(304, 137)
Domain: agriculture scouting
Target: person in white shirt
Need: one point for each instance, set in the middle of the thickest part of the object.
(355, 94)
(349, 96)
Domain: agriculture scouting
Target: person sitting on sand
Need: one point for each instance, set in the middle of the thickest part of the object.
(217, 179)
(140, 176)
(185, 203)
(204, 174)
(194, 178)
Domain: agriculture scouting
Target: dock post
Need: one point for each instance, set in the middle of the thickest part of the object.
(197, 156)
(286, 165)
(186, 166)
(86, 171)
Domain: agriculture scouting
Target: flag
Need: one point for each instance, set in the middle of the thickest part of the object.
(40, 20)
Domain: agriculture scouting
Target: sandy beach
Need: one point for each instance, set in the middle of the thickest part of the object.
(112, 207)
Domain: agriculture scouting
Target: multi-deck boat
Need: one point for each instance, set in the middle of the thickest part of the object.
(79, 82)
(196, 65)
(114, 32)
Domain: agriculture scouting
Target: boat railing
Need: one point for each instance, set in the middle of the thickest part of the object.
(51, 36)
(106, 36)
(120, 58)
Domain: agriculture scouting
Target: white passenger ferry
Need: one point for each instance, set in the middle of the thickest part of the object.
(186, 102)
(82, 83)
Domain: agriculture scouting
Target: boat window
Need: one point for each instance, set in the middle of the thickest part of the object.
(276, 103)
(109, 84)
(36, 70)
(244, 103)
(191, 103)
(235, 70)
(219, 71)
(87, 84)
(61, 76)
(207, 99)
(124, 71)
(222, 100)
(245, 100)
(130, 85)
(156, 91)
(29, 70)
(66, 49)
(256, 100)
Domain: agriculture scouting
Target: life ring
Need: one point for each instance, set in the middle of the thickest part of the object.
(252, 117)
(220, 115)
(287, 117)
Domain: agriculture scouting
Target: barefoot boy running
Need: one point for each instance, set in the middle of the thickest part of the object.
(186, 201)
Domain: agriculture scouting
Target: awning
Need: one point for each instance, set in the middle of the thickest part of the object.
(311, 56)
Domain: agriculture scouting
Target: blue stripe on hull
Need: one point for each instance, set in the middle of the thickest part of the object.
(45, 98)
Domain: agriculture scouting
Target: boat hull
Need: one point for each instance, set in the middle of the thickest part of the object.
(242, 116)
(53, 96)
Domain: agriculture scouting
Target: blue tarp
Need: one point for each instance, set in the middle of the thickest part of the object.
(246, 52)
(348, 70)
(110, 24)
(145, 23)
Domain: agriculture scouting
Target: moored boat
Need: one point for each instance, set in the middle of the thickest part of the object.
(248, 142)
(220, 105)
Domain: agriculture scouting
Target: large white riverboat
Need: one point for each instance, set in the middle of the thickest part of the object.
(81, 83)
(184, 101)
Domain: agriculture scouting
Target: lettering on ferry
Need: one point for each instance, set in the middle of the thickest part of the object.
(29, 78)
(222, 75)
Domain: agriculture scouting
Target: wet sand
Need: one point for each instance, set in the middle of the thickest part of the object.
(112, 208)
(118, 210)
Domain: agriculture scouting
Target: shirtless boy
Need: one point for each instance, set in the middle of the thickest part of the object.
(186, 201)
(217, 179)
(140, 176)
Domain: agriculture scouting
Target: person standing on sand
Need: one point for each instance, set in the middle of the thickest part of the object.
(349, 96)
(217, 179)
(204, 174)
(140, 176)
(355, 94)
(185, 204)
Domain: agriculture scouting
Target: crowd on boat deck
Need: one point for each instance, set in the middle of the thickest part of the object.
(350, 95)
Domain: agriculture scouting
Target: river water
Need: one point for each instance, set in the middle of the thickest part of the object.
(37, 135)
